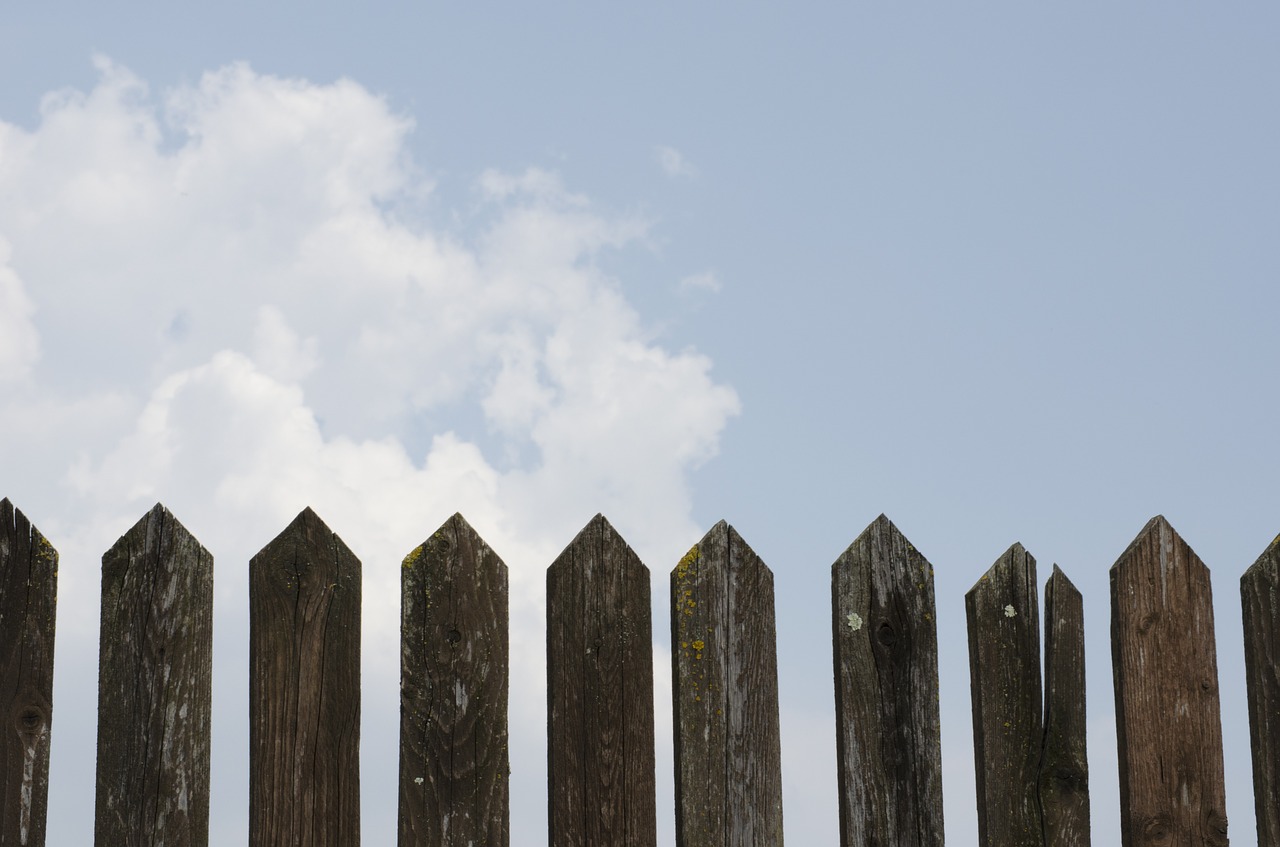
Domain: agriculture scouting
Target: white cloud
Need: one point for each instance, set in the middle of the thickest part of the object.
(19, 341)
(261, 335)
(673, 162)
(705, 281)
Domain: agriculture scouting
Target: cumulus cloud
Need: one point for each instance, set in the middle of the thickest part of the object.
(673, 162)
(216, 268)
(19, 341)
(705, 281)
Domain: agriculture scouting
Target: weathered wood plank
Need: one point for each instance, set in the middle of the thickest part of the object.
(28, 598)
(1004, 679)
(725, 688)
(600, 759)
(304, 689)
(1166, 681)
(888, 732)
(155, 669)
(453, 692)
(1064, 764)
(1260, 599)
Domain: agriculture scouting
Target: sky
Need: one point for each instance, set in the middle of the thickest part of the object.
(1005, 274)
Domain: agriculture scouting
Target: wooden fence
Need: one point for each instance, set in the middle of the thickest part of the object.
(1029, 730)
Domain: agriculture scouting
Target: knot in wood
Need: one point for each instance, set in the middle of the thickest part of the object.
(1157, 830)
(29, 720)
(454, 636)
(886, 634)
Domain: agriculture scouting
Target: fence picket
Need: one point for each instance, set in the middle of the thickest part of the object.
(453, 692)
(304, 689)
(725, 691)
(1064, 765)
(888, 731)
(28, 598)
(154, 687)
(1004, 665)
(1260, 598)
(600, 758)
(1165, 670)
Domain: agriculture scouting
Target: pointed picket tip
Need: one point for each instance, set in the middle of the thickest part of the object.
(1007, 561)
(157, 519)
(1060, 579)
(457, 526)
(721, 536)
(307, 525)
(881, 526)
(598, 534)
(1267, 566)
(1157, 526)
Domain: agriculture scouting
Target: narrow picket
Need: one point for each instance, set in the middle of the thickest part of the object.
(888, 731)
(1168, 722)
(1002, 612)
(600, 759)
(155, 670)
(453, 692)
(725, 691)
(304, 689)
(28, 599)
(1260, 598)
(1064, 762)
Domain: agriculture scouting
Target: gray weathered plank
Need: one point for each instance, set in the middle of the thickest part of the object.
(28, 598)
(453, 692)
(1004, 666)
(304, 689)
(155, 669)
(1260, 599)
(600, 759)
(1064, 765)
(888, 733)
(1165, 670)
(725, 688)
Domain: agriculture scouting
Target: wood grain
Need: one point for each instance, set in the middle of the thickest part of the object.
(154, 687)
(453, 692)
(1166, 688)
(725, 691)
(600, 758)
(304, 690)
(888, 732)
(1004, 679)
(28, 599)
(1064, 763)
(1260, 599)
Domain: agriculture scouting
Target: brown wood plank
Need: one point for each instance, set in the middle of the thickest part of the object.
(155, 670)
(453, 692)
(1064, 765)
(1165, 670)
(1260, 599)
(1004, 680)
(725, 681)
(888, 732)
(28, 599)
(304, 689)
(600, 694)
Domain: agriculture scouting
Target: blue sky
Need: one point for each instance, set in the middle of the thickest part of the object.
(1005, 274)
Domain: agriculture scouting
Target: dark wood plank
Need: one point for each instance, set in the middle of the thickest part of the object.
(888, 732)
(155, 669)
(1064, 764)
(1004, 680)
(453, 692)
(28, 598)
(600, 694)
(1165, 670)
(304, 689)
(1260, 599)
(725, 681)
